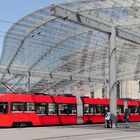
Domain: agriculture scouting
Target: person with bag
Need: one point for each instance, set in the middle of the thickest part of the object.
(108, 120)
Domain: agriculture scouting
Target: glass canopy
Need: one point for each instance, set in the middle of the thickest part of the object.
(45, 53)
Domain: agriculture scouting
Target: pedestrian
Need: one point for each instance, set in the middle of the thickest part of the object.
(104, 114)
(113, 120)
(108, 120)
(105, 111)
(126, 118)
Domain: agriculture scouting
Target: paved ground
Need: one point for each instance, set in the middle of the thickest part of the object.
(73, 132)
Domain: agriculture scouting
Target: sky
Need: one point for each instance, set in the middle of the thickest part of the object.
(14, 10)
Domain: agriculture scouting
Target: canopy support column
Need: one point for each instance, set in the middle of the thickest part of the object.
(29, 81)
(79, 110)
(112, 74)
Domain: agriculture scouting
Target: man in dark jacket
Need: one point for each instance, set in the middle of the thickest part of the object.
(126, 118)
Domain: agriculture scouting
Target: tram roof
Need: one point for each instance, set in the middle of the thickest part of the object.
(54, 53)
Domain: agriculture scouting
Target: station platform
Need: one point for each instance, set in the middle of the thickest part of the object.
(72, 132)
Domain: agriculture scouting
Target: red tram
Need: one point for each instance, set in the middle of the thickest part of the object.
(33, 110)
(94, 110)
(18, 110)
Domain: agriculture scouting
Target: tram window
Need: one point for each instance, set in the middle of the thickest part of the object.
(120, 109)
(89, 109)
(63, 109)
(131, 109)
(72, 109)
(29, 107)
(3, 108)
(97, 109)
(19, 107)
(136, 110)
(86, 108)
(41, 108)
(104, 109)
(52, 109)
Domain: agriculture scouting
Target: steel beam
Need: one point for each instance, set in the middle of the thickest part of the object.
(128, 35)
(79, 19)
(94, 23)
(41, 74)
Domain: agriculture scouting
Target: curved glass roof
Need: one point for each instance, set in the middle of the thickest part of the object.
(46, 53)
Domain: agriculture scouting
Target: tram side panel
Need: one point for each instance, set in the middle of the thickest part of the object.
(54, 110)
(120, 111)
(93, 110)
(37, 110)
(134, 109)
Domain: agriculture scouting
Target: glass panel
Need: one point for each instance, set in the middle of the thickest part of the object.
(120, 109)
(136, 110)
(91, 109)
(131, 109)
(63, 109)
(86, 109)
(3, 108)
(41, 108)
(17, 107)
(52, 109)
(97, 109)
(104, 109)
(72, 109)
(29, 107)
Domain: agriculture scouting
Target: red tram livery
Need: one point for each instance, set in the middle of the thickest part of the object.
(33, 110)
(17, 110)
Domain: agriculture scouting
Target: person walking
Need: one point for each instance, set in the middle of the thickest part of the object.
(113, 120)
(126, 118)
